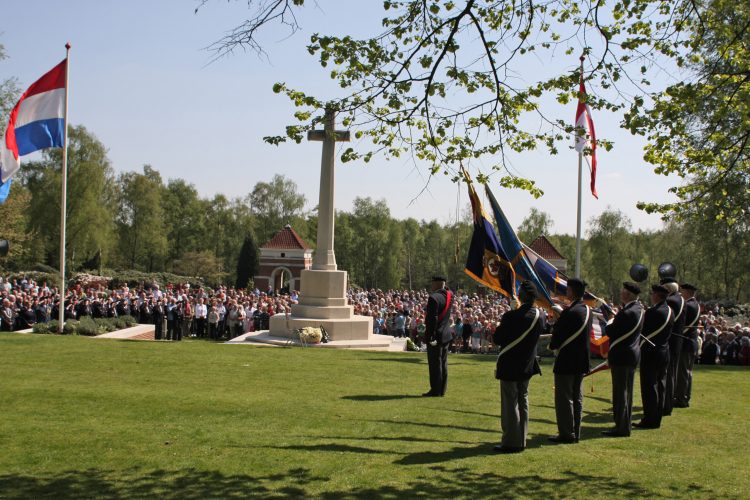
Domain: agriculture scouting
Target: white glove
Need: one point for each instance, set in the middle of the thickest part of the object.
(433, 343)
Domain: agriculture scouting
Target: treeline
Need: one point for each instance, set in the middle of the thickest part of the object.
(139, 221)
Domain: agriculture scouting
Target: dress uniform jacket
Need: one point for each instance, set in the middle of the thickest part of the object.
(677, 304)
(626, 352)
(573, 359)
(519, 362)
(692, 313)
(655, 317)
(437, 328)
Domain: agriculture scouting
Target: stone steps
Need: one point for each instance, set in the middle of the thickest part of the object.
(373, 343)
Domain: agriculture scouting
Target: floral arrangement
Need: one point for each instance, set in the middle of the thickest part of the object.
(310, 335)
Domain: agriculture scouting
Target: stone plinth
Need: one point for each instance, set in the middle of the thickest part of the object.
(323, 302)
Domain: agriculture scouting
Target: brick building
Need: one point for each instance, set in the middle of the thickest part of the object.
(546, 250)
(282, 260)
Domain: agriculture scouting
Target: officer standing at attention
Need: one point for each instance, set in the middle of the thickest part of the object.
(624, 335)
(692, 313)
(570, 343)
(438, 336)
(657, 328)
(516, 337)
(677, 304)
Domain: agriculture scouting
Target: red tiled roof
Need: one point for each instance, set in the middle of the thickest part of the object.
(543, 247)
(287, 239)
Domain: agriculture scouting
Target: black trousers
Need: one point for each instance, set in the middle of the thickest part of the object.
(675, 348)
(684, 385)
(622, 397)
(437, 358)
(568, 404)
(200, 326)
(654, 367)
(158, 328)
(171, 327)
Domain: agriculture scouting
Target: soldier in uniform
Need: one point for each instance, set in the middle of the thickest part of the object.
(570, 343)
(438, 336)
(657, 328)
(516, 337)
(624, 335)
(692, 313)
(677, 304)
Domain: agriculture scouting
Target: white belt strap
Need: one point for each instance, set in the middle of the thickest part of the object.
(657, 332)
(576, 334)
(682, 306)
(523, 335)
(631, 332)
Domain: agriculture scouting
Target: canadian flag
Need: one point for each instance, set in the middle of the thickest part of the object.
(586, 135)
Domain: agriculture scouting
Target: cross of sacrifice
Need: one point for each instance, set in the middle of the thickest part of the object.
(325, 259)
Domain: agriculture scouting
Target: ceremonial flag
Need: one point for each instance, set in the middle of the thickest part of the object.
(556, 281)
(585, 123)
(514, 249)
(598, 368)
(486, 262)
(36, 122)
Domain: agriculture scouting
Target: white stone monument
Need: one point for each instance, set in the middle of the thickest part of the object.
(323, 288)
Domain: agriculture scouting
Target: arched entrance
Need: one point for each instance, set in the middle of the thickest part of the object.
(281, 279)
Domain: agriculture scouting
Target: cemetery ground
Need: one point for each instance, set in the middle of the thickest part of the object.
(109, 419)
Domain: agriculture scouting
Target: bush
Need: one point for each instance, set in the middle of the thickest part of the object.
(106, 325)
(42, 328)
(128, 321)
(71, 327)
(87, 326)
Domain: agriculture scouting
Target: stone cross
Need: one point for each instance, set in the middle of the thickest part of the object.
(325, 258)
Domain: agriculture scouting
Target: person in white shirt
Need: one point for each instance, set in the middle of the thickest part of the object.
(201, 312)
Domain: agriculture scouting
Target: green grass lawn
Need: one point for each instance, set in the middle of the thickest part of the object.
(81, 417)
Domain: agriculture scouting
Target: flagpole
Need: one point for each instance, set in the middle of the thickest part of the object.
(64, 197)
(578, 224)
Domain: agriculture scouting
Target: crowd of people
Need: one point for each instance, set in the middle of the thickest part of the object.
(223, 312)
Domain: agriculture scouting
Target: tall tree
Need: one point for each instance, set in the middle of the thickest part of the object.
(9, 93)
(276, 204)
(247, 262)
(184, 215)
(227, 224)
(608, 241)
(91, 199)
(140, 219)
(535, 224)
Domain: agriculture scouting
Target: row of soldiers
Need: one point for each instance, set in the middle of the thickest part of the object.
(663, 338)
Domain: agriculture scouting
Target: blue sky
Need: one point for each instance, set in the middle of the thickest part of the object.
(143, 83)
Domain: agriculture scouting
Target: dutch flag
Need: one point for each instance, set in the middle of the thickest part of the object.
(36, 122)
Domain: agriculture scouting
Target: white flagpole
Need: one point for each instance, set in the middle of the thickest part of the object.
(64, 197)
(578, 224)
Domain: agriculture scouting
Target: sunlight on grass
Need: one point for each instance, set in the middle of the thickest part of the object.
(92, 418)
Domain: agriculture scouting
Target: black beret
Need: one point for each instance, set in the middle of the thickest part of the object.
(688, 286)
(659, 289)
(577, 283)
(664, 281)
(438, 277)
(631, 287)
(528, 288)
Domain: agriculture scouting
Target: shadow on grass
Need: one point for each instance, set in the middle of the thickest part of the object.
(432, 425)
(381, 397)
(403, 359)
(405, 439)
(438, 482)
